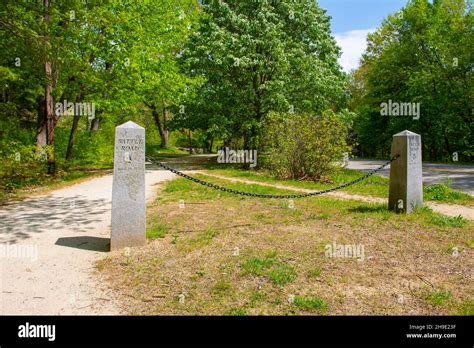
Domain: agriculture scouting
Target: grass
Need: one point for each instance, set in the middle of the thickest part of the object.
(314, 272)
(376, 186)
(156, 230)
(310, 303)
(162, 153)
(446, 221)
(281, 252)
(444, 193)
(269, 266)
(438, 297)
(465, 308)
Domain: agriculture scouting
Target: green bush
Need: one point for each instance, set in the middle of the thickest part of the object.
(304, 146)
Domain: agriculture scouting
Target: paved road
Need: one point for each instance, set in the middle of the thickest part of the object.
(461, 176)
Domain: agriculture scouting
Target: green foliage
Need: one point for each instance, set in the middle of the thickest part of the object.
(255, 57)
(423, 54)
(304, 146)
(116, 55)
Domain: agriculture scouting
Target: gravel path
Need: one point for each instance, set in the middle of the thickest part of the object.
(59, 235)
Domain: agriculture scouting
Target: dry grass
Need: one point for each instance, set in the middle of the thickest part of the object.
(247, 256)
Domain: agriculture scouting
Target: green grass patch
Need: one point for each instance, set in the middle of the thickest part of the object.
(282, 274)
(201, 240)
(465, 308)
(314, 272)
(222, 286)
(156, 230)
(236, 312)
(438, 297)
(310, 303)
(447, 221)
(269, 266)
(444, 193)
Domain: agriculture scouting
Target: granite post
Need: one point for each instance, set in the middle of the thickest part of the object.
(128, 190)
(406, 174)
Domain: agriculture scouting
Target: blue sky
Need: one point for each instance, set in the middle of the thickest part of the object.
(352, 20)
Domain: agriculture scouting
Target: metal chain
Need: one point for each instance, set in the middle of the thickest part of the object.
(261, 195)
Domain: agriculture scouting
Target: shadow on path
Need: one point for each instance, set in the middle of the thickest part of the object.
(85, 243)
(23, 219)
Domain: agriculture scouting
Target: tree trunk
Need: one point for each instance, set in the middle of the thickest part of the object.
(161, 125)
(48, 98)
(40, 126)
(95, 123)
(190, 141)
(211, 143)
(75, 124)
(165, 138)
(72, 137)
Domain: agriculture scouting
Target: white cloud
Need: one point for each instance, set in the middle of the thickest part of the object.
(353, 44)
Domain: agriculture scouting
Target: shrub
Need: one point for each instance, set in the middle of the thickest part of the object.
(304, 146)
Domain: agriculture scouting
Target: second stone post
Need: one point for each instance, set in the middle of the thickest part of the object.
(406, 174)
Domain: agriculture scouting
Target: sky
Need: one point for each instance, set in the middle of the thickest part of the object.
(352, 20)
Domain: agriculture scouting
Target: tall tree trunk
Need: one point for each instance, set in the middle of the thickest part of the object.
(41, 126)
(161, 125)
(164, 139)
(75, 124)
(211, 143)
(95, 123)
(190, 141)
(72, 137)
(48, 98)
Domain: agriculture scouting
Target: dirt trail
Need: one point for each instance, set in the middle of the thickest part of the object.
(446, 209)
(61, 234)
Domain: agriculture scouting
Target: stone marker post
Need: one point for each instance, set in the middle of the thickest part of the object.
(128, 190)
(406, 175)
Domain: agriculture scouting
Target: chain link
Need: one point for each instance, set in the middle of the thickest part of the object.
(261, 195)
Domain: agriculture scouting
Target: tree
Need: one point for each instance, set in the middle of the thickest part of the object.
(420, 55)
(259, 56)
(160, 30)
